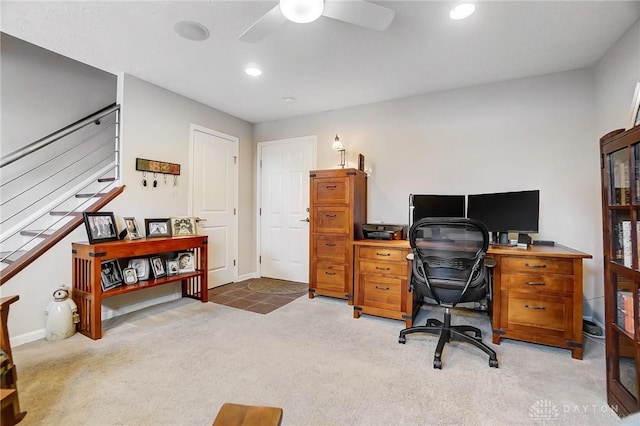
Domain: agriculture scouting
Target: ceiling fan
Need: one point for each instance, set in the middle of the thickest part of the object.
(357, 12)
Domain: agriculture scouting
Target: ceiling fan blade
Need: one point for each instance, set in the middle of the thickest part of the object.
(263, 26)
(360, 13)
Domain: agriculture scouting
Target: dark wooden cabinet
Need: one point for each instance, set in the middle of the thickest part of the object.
(86, 276)
(337, 212)
(620, 164)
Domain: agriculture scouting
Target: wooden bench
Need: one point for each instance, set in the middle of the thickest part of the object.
(247, 415)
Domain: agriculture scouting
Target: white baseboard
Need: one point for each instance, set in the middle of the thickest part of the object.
(247, 276)
(31, 336)
(108, 313)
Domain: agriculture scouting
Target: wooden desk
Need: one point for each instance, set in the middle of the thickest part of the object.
(536, 293)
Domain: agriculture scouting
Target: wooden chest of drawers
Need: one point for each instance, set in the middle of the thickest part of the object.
(337, 211)
(537, 296)
(381, 281)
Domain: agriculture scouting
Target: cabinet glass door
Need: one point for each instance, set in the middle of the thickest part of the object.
(625, 301)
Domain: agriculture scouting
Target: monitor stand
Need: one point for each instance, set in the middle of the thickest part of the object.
(501, 238)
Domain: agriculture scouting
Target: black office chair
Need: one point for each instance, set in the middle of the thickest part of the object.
(448, 266)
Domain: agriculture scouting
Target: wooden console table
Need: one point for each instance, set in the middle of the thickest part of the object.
(536, 292)
(86, 276)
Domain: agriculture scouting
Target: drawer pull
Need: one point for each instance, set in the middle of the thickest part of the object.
(382, 269)
(330, 186)
(330, 215)
(534, 283)
(535, 266)
(537, 308)
(383, 254)
(329, 273)
(382, 288)
(330, 244)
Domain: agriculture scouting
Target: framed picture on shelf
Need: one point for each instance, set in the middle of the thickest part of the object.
(141, 265)
(158, 267)
(172, 267)
(157, 227)
(185, 262)
(129, 275)
(183, 225)
(131, 226)
(111, 274)
(635, 107)
(101, 227)
(361, 162)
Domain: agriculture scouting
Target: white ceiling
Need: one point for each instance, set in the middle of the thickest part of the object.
(326, 64)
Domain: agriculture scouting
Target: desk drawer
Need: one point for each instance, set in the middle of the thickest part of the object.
(538, 283)
(330, 277)
(330, 191)
(381, 292)
(380, 253)
(386, 268)
(536, 264)
(331, 220)
(540, 314)
(331, 248)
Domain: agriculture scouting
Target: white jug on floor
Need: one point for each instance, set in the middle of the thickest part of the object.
(62, 316)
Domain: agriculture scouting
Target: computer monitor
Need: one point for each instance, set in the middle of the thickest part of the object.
(506, 212)
(421, 206)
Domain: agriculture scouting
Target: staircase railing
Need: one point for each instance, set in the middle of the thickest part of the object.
(46, 185)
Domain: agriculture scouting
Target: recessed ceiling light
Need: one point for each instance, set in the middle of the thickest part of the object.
(253, 71)
(191, 30)
(462, 11)
(289, 99)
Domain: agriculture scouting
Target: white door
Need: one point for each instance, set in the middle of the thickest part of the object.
(214, 199)
(284, 207)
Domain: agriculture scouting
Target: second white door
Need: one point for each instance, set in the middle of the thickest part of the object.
(284, 207)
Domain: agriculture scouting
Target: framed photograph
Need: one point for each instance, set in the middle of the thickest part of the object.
(186, 262)
(184, 225)
(634, 119)
(172, 267)
(141, 265)
(129, 276)
(131, 226)
(361, 162)
(111, 274)
(100, 226)
(157, 266)
(157, 227)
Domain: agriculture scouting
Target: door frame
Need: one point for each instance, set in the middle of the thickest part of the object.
(314, 157)
(235, 140)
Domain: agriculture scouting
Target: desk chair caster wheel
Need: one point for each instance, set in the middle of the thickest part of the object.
(437, 364)
(493, 363)
(402, 340)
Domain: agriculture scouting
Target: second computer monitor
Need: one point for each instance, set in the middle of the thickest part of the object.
(436, 206)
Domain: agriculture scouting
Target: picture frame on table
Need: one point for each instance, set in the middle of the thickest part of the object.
(101, 226)
(129, 276)
(172, 267)
(156, 228)
(111, 275)
(183, 225)
(141, 265)
(186, 262)
(634, 118)
(158, 267)
(131, 226)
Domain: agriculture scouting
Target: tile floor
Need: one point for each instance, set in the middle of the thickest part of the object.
(237, 295)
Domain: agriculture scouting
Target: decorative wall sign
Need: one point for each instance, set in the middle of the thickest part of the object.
(157, 166)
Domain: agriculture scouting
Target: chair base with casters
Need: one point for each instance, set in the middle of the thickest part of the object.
(448, 332)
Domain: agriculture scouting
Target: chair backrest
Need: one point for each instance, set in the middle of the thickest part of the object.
(449, 258)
